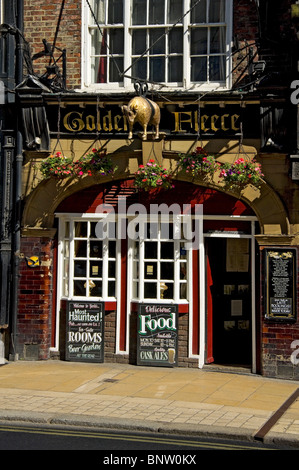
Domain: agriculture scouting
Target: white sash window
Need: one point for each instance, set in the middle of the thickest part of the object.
(169, 43)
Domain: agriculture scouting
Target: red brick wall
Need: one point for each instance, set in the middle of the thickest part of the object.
(245, 35)
(276, 341)
(40, 22)
(35, 297)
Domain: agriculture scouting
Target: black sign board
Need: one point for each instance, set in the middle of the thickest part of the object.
(177, 121)
(280, 284)
(157, 335)
(85, 331)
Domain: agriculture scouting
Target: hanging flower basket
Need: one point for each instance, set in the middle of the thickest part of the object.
(198, 163)
(57, 166)
(152, 176)
(241, 173)
(94, 164)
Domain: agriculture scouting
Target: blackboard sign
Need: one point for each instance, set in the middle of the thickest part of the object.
(157, 335)
(85, 331)
(281, 284)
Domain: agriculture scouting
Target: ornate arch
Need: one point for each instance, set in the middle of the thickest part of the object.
(40, 205)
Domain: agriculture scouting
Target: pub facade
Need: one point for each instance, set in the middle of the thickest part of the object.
(143, 240)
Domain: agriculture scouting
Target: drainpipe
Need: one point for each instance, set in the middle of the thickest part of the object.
(18, 186)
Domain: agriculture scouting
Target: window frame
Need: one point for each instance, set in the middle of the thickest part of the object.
(69, 277)
(127, 84)
(141, 259)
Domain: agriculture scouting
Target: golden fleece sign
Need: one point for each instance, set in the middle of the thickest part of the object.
(143, 115)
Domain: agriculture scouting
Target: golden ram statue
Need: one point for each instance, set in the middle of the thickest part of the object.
(143, 111)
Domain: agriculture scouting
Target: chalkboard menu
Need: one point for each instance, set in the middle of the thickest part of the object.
(157, 335)
(280, 284)
(85, 331)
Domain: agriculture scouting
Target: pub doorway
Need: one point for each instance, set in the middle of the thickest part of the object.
(229, 279)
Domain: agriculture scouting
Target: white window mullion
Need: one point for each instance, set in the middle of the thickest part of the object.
(141, 270)
(71, 263)
(127, 43)
(186, 45)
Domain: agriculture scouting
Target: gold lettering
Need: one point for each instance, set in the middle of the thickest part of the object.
(234, 120)
(179, 121)
(214, 118)
(73, 121)
(90, 123)
(117, 119)
(223, 126)
(203, 120)
(107, 122)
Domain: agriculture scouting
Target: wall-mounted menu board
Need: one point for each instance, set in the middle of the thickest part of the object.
(280, 277)
(85, 331)
(157, 335)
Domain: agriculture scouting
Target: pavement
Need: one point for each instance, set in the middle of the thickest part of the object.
(202, 402)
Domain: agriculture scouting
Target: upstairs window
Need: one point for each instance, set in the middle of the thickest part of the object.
(169, 43)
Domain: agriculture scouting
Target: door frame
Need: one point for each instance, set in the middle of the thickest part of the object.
(203, 291)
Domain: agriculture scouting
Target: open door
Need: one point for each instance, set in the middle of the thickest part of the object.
(229, 301)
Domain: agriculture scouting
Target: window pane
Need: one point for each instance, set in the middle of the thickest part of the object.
(199, 69)
(167, 250)
(79, 289)
(150, 270)
(150, 250)
(95, 288)
(156, 11)
(166, 293)
(99, 11)
(139, 69)
(111, 289)
(150, 290)
(80, 249)
(157, 69)
(217, 40)
(138, 41)
(95, 269)
(199, 41)
(115, 11)
(198, 13)
(217, 11)
(157, 41)
(116, 66)
(100, 70)
(111, 269)
(96, 249)
(176, 41)
(175, 69)
(167, 270)
(139, 12)
(112, 249)
(217, 69)
(80, 268)
(175, 10)
(117, 41)
(80, 229)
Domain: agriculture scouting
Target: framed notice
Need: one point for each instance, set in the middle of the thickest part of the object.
(157, 335)
(280, 285)
(85, 331)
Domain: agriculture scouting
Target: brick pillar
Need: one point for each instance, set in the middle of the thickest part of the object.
(35, 296)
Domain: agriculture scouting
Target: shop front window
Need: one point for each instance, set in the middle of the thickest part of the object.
(174, 43)
(89, 264)
(160, 265)
(158, 261)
